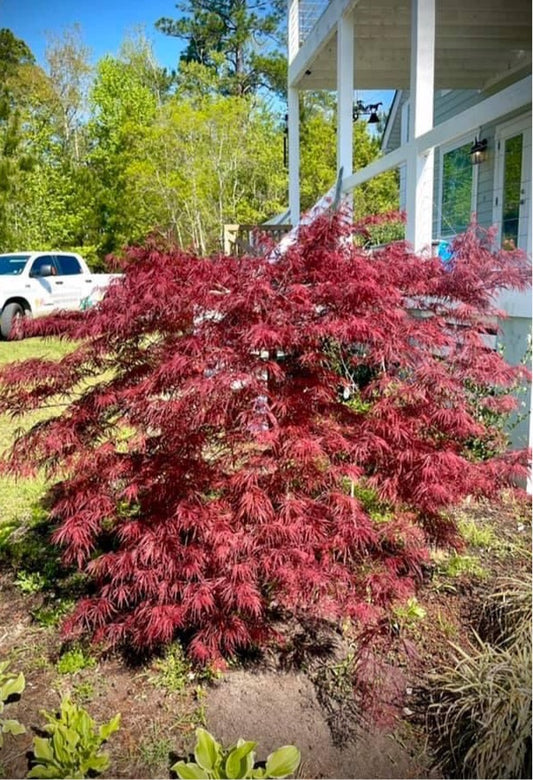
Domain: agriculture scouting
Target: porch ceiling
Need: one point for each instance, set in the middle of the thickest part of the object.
(478, 43)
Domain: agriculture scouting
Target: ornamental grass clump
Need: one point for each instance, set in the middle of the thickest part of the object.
(224, 417)
(481, 709)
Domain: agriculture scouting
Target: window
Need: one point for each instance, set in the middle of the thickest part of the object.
(512, 191)
(457, 190)
(12, 265)
(39, 262)
(68, 265)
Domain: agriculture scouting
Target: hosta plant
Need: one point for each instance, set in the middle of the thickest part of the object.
(212, 760)
(10, 685)
(224, 419)
(73, 748)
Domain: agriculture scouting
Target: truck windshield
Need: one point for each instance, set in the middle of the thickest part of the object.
(12, 265)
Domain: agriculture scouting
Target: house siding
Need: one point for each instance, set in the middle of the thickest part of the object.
(449, 103)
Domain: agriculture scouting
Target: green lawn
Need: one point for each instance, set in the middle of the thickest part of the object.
(18, 496)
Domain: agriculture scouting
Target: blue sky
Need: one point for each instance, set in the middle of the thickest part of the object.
(104, 25)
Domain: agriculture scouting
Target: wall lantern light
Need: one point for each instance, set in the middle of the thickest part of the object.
(478, 151)
(371, 109)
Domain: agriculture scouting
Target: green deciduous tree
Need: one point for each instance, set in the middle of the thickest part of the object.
(205, 163)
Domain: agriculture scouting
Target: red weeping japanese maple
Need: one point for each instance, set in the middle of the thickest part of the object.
(246, 435)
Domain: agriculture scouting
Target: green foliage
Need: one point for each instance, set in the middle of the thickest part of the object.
(73, 748)
(10, 684)
(459, 565)
(176, 673)
(74, 660)
(230, 39)
(202, 164)
(318, 166)
(481, 708)
(409, 614)
(51, 614)
(29, 582)
(238, 761)
(476, 535)
(386, 232)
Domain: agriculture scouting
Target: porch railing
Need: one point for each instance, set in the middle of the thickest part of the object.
(247, 239)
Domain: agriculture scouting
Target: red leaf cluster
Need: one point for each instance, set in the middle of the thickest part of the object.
(248, 434)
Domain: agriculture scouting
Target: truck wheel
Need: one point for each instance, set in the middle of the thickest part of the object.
(10, 312)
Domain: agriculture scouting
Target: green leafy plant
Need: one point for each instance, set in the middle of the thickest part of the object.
(10, 685)
(477, 536)
(459, 565)
(238, 761)
(51, 614)
(30, 581)
(74, 661)
(175, 672)
(408, 614)
(73, 748)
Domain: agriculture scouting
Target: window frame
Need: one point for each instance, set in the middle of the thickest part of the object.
(463, 140)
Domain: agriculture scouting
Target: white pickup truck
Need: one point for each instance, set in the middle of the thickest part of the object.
(36, 283)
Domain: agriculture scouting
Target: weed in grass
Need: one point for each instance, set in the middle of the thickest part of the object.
(477, 536)
(29, 552)
(155, 750)
(30, 581)
(6, 529)
(51, 615)
(74, 660)
(175, 672)
(461, 565)
(406, 616)
(84, 691)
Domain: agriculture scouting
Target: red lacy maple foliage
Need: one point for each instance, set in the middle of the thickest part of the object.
(226, 420)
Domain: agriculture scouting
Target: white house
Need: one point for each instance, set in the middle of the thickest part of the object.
(461, 71)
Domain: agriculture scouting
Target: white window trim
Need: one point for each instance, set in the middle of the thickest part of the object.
(444, 149)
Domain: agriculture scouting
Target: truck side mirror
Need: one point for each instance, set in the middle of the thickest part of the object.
(44, 270)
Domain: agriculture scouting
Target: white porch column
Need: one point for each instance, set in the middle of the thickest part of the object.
(419, 200)
(345, 87)
(293, 115)
(293, 128)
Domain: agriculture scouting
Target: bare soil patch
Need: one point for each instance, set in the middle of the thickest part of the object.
(310, 692)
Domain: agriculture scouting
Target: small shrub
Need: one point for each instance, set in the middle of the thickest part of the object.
(251, 391)
(506, 612)
(73, 749)
(10, 685)
(238, 761)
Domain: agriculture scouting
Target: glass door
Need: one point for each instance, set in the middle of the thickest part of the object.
(512, 190)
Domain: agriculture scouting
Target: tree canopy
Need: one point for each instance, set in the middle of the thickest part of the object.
(94, 157)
